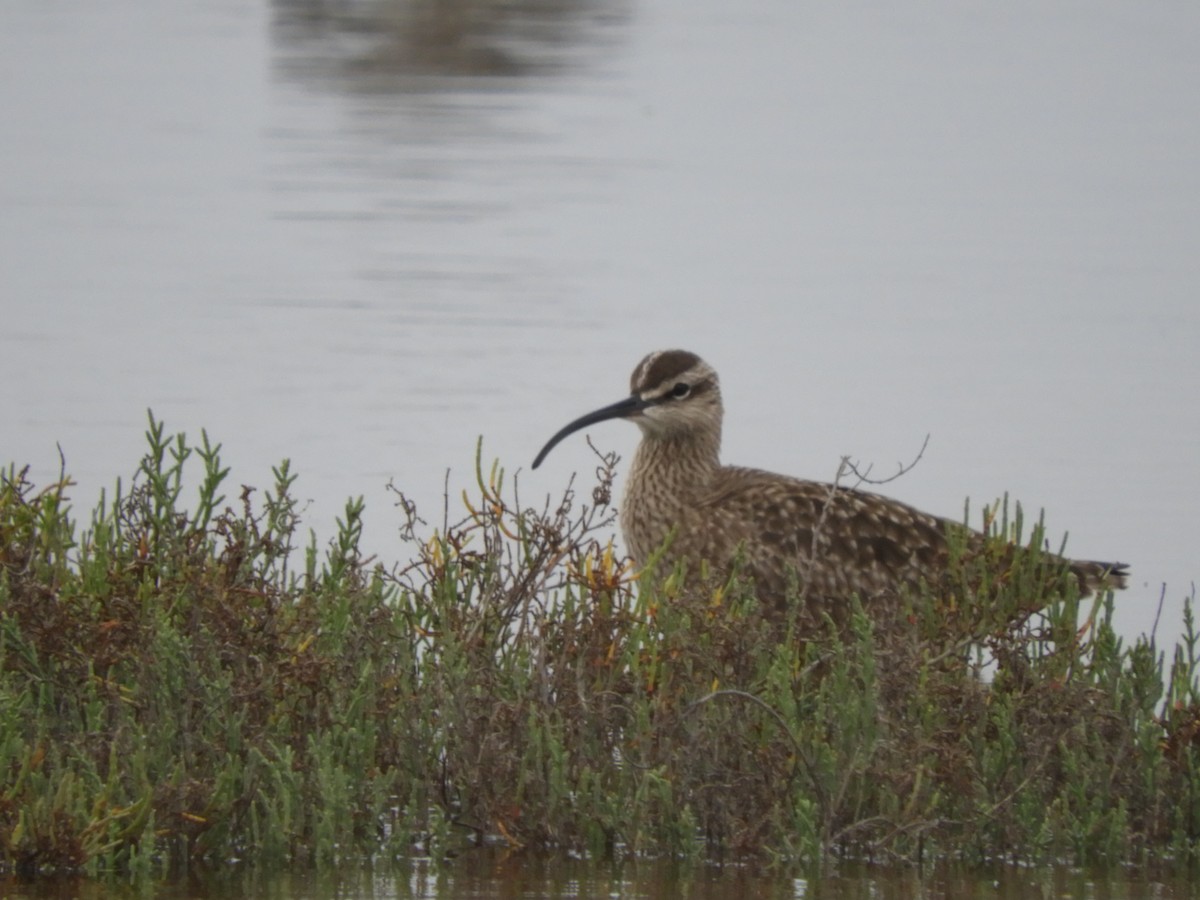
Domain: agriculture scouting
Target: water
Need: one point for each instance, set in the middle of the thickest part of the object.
(487, 875)
(335, 234)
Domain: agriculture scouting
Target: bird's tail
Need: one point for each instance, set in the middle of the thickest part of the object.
(1099, 576)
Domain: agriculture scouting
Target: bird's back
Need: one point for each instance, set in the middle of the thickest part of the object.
(830, 542)
(827, 543)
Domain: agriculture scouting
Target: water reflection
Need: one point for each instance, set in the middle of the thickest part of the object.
(493, 875)
(372, 42)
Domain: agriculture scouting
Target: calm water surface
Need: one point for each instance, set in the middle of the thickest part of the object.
(359, 237)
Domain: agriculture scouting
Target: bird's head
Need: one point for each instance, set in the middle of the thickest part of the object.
(673, 393)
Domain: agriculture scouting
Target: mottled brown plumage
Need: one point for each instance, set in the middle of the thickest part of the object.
(830, 541)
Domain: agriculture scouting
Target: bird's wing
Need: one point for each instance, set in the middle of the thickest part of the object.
(837, 541)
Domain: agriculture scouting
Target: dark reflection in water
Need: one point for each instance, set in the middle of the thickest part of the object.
(489, 874)
(374, 42)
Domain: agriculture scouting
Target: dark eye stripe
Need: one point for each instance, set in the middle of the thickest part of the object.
(684, 391)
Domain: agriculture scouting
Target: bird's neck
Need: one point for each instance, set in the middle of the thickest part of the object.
(681, 463)
(667, 475)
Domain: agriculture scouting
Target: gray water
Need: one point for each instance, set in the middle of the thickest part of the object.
(360, 235)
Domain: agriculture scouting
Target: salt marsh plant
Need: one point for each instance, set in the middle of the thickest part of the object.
(186, 681)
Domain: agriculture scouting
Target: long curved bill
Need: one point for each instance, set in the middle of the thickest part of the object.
(622, 409)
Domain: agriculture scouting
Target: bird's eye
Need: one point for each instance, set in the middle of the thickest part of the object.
(681, 390)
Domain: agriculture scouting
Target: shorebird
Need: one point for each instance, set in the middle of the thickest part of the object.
(826, 541)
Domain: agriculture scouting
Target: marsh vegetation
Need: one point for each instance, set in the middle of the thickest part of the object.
(186, 675)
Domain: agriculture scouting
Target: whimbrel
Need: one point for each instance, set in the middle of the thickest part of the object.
(829, 541)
